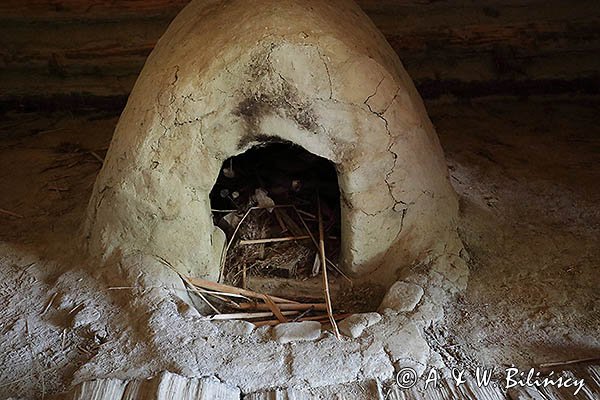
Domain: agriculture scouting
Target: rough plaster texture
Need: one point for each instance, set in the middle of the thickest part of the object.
(297, 331)
(354, 325)
(402, 296)
(229, 75)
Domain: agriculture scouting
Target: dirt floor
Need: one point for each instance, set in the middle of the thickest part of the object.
(527, 173)
(528, 176)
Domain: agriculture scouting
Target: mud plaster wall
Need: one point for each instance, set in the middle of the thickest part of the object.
(229, 74)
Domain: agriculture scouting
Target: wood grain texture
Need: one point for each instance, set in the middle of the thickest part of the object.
(172, 386)
(165, 386)
(97, 48)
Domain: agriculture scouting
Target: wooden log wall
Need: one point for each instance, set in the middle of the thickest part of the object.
(88, 53)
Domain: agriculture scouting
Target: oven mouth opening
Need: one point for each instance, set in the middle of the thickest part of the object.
(267, 200)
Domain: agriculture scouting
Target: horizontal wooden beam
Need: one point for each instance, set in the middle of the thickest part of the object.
(89, 53)
(56, 10)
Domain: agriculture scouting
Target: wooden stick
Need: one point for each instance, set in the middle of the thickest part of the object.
(316, 265)
(329, 262)
(302, 315)
(215, 309)
(294, 229)
(317, 245)
(274, 309)
(50, 131)
(309, 215)
(226, 249)
(277, 213)
(97, 157)
(224, 299)
(234, 290)
(273, 240)
(50, 303)
(76, 308)
(286, 306)
(319, 318)
(336, 317)
(227, 301)
(235, 231)
(12, 214)
(64, 339)
(244, 277)
(569, 362)
(271, 322)
(225, 294)
(324, 269)
(306, 228)
(244, 315)
(247, 272)
(186, 280)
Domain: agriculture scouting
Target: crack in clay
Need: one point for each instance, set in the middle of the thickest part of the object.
(392, 101)
(389, 149)
(189, 97)
(371, 214)
(177, 123)
(403, 204)
(176, 75)
(102, 195)
(366, 102)
(322, 57)
(388, 353)
(391, 171)
(171, 100)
